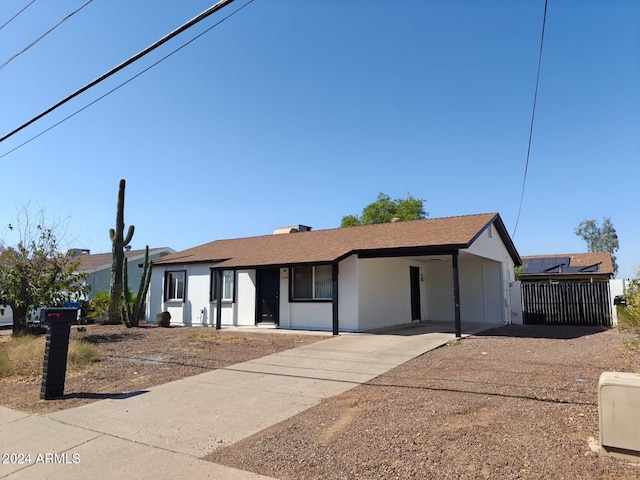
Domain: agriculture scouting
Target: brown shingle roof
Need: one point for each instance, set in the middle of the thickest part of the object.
(96, 261)
(602, 259)
(331, 244)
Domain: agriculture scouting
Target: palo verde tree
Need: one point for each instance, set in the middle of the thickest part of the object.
(118, 242)
(385, 210)
(33, 272)
(600, 238)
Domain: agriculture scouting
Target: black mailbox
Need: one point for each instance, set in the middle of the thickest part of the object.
(54, 370)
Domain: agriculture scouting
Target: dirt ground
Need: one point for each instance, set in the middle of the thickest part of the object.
(514, 403)
(134, 359)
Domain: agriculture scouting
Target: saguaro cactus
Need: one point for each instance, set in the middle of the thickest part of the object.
(131, 313)
(118, 242)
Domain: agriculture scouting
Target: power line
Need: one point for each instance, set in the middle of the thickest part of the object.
(125, 82)
(44, 34)
(137, 56)
(533, 115)
(11, 19)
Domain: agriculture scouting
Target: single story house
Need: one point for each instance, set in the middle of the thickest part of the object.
(97, 266)
(455, 269)
(595, 266)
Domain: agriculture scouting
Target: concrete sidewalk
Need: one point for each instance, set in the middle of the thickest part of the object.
(162, 433)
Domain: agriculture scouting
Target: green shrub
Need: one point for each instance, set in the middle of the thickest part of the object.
(99, 306)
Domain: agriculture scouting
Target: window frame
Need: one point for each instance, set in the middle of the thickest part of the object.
(212, 286)
(313, 298)
(168, 287)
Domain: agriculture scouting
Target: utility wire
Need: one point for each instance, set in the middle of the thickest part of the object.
(11, 19)
(44, 34)
(137, 56)
(533, 115)
(126, 81)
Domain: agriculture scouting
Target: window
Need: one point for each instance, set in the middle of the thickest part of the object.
(174, 285)
(228, 281)
(311, 283)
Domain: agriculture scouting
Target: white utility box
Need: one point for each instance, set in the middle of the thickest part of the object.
(619, 411)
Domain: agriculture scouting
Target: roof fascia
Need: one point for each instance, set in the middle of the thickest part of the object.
(409, 251)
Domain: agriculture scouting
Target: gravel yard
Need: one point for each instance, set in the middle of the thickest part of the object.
(514, 402)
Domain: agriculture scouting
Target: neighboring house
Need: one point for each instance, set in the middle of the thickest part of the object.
(455, 269)
(567, 289)
(587, 267)
(97, 266)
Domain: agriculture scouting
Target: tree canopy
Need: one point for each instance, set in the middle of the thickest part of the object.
(33, 273)
(385, 210)
(600, 238)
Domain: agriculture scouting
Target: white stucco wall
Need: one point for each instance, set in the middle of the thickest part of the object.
(481, 290)
(438, 279)
(310, 315)
(284, 308)
(373, 293)
(489, 245)
(348, 310)
(195, 310)
(245, 298)
(319, 315)
(154, 296)
(384, 292)
(515, 307)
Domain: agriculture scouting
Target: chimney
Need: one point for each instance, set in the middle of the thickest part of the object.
(292, 229)
(76, 252)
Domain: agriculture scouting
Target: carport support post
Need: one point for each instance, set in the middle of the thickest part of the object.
(456, 294)
(217, 291)
(334, 297)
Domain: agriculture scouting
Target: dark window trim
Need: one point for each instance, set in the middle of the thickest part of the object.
(166, 286)
(307, 300)
(212, 285)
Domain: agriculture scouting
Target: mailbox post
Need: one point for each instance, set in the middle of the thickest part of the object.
(54, 369)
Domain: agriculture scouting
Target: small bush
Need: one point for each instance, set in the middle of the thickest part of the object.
(23, 356)
(98, 306)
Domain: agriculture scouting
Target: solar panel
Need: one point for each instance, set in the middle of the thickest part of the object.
(545, 265)
(542, 265)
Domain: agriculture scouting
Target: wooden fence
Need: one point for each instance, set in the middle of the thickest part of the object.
(566, 303)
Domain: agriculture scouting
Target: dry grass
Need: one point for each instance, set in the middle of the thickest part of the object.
(22, 357)
(211, 335)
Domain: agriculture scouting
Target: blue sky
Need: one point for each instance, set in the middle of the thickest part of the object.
(303, 111)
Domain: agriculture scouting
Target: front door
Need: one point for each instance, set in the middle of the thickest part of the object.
(414, 273)
(268, 295)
